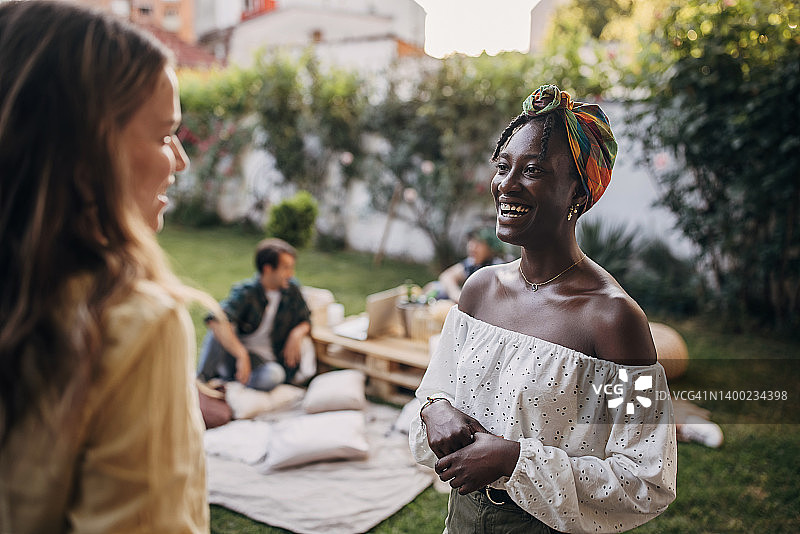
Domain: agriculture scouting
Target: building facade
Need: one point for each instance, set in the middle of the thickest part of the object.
(367, 35)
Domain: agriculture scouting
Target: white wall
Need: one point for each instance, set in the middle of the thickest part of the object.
(541, 16)
(227, 13)
(365, 228)
(294, 27)
(210, 15)
(408, 18)
(367, 57)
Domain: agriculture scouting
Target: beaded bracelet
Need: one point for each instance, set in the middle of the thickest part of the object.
(431, 400)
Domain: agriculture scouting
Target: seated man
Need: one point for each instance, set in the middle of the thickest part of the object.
(266, 341)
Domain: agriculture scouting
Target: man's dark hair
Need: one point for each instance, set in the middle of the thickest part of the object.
(269, 251)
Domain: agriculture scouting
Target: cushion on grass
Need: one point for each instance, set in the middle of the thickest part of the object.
(317, 437)
(247, 403)
(409, 412)
(671, 350)
(336, 390)
(243, 441)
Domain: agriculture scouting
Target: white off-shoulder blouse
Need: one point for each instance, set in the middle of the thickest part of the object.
(597, 439)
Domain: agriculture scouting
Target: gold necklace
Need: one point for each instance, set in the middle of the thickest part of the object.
(535, 287)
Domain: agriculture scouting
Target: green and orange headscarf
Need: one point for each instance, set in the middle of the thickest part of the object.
(591, 142)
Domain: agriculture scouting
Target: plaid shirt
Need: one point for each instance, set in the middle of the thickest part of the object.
(245, 305)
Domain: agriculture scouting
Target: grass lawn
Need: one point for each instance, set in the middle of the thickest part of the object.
(750, 484)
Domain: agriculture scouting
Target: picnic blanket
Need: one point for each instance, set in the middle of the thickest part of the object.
(339, 497)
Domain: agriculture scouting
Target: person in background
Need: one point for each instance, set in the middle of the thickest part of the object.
(100, 429)
(483, 248)
(265, 341)
(516, 411)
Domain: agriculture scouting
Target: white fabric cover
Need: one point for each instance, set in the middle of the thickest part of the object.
(247, 403)
(584, 465)
(329, 497)
(244, 441)
(336, 390)
(318, 437)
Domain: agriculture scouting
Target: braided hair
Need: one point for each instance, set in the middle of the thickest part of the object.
(517, 123)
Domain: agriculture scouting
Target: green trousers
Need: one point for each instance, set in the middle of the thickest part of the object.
(474, 513)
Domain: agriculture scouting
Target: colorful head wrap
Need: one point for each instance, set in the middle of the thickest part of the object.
(593, 146)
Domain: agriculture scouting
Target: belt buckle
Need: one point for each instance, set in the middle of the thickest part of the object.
(487, 489)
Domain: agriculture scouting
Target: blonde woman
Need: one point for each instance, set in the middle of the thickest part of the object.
(99, 425)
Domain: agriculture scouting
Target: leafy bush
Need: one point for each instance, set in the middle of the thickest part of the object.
(610, 246)
(193, 211)
(329, 242)
(648, 270)
(293, 219)
(215, 133)
(723, 80)
(664, 283)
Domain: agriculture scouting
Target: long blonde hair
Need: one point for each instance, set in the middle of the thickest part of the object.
(70, 80)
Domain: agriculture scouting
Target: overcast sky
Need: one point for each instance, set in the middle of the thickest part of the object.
(472, 26)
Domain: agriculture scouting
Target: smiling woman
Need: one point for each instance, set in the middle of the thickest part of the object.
(524, 436)
(100, 430)
(152, 150)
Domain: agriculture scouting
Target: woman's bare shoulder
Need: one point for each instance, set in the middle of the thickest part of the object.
(483, 282)
(619, 326)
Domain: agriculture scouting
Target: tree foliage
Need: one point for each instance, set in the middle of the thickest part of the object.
(214, 132)
(650, 272)
(723, 86)
(279, 105)
(441, 129)
(592, 47)
(575, 17)
(308, 116)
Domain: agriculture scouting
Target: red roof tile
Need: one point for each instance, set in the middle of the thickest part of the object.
(186, 55)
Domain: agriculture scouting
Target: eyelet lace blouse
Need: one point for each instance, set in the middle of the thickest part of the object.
(597, 439)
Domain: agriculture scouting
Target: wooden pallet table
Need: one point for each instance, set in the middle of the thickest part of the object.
(394, 365)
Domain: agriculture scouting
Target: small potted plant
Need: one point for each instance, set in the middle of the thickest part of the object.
(410, 303)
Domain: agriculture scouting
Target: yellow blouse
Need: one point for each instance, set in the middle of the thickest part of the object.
(134, 462)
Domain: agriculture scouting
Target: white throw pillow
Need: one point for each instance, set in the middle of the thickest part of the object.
(336, 390)
(317, 437)
(247, 403)
(244, 441)
(409, 412)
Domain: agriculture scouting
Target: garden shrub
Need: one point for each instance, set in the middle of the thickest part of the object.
(293, 219)
(664, 283)
(330, 242)
(193, 210)
(648, 270)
